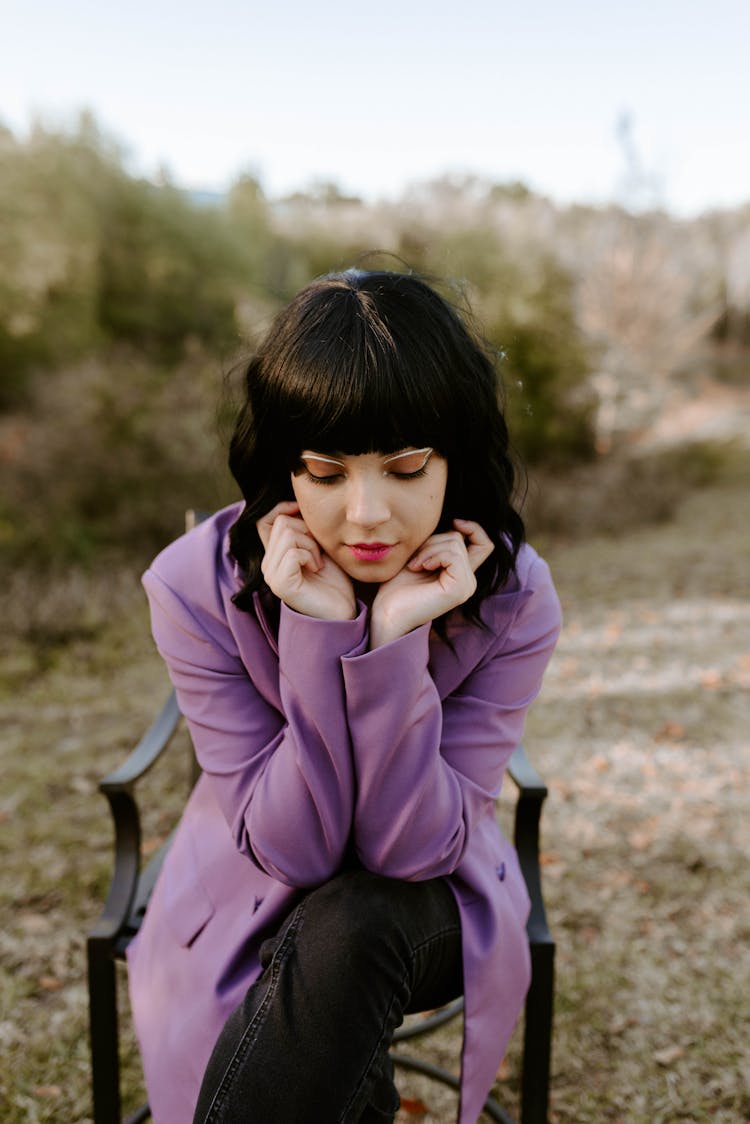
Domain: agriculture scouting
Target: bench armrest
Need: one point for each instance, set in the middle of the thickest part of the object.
(146, 753)
(532, 792)
(525, 776)
(119, 788)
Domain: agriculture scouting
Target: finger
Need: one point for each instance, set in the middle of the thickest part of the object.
(289, 575)
(447, 562)
(299, 558)
(288, 535)
(266, 522)
(479, 545)
(471, 530)
(436, 543)
(288, 560)
(287, 530)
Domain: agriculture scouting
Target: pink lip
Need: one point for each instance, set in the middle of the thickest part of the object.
(370, 551)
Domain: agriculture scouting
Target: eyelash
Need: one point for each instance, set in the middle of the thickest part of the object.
(327, 481)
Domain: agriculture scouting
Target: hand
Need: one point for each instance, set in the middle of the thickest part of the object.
(298, 571)
(438, 577)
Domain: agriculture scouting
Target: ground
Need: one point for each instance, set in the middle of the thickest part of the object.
(643, 734)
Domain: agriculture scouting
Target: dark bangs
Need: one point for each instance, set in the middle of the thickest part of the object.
(363, 373)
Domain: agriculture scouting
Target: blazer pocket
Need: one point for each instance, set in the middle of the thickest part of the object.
(187, 906)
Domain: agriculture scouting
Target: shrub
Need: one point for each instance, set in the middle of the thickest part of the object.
(166, 271)
(526, 309)
(112, 457)
(621, 492)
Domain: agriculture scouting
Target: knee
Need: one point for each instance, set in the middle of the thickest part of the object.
(360, 914)
(356, 899)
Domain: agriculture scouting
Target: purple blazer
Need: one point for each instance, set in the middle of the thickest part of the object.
(307, 742)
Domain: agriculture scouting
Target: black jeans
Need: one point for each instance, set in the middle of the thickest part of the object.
(309, 1043)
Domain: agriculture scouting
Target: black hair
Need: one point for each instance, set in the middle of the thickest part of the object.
(375, 361)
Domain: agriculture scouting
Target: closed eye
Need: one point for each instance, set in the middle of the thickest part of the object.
(322, 470)
(407, 475)
(329, 478)
(408, 465)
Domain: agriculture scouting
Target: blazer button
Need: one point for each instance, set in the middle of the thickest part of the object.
(501, 872)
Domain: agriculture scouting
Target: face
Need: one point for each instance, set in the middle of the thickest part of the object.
(371, 513)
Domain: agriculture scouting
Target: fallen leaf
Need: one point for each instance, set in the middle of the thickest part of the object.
(48, 1091)
(50, 983)
(503, 1070)
(613, 632)
(668, 1055)
(670, 732)
(414, 1107)
(34, 923)
(83, 785)
(620, 1023)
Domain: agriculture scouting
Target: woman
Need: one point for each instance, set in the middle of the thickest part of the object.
(354, 648)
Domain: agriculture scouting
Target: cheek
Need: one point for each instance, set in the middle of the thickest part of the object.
(425, 513)
(313, 506)
(297, 491)
(434, 502)
(300, 495)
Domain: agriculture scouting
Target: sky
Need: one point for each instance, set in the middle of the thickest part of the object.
(585, 101)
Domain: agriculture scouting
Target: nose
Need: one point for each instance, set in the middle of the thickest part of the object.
(366, 500)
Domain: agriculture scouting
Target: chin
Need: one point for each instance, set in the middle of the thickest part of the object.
(371, 573)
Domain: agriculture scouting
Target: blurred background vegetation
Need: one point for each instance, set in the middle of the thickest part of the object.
(126, 308)
(623, 339)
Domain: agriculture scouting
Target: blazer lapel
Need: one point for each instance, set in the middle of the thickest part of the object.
(471, 644)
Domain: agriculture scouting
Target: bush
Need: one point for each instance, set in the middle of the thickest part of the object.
(113, 456)
(49, 192)
(526, 310)
(166, 272)
(621, 492)
(550, 407)
(91, 255)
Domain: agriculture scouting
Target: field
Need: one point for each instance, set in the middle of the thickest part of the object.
(642, 732)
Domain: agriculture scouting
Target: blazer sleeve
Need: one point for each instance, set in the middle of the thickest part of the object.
(427, 771)
(284, 780)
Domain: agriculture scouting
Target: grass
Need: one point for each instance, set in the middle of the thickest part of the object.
(642, 733)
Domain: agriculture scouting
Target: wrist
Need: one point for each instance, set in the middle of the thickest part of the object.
(383, 631)
(324, 612)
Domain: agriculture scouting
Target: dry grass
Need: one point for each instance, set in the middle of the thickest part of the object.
(642, 732)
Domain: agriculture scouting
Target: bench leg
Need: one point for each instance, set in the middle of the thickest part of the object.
(105, 1055)
(537, 1036)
